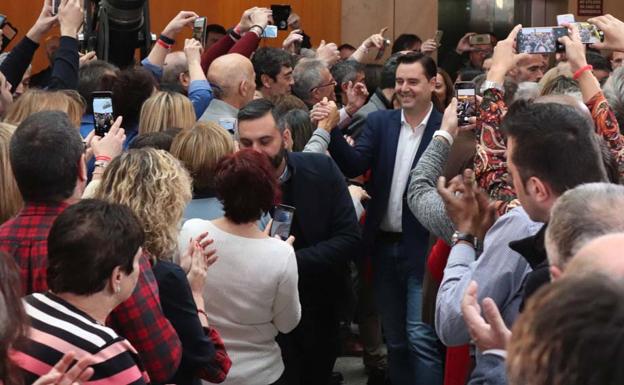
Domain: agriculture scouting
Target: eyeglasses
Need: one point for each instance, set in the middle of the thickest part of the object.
(332, 83)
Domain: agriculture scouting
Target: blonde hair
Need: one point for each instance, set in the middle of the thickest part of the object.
(164, 110)
(36, 100)
(199, 149)
(10, 198)
(157, 189)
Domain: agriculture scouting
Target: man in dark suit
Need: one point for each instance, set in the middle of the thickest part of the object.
(326, 237)
(390, 145)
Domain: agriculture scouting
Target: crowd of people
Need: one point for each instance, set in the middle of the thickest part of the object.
(480, 251)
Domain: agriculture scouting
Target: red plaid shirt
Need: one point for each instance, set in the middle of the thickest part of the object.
(25, 237)
(139, 319)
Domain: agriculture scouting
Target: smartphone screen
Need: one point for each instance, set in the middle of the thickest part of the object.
(590, 34)
(540, 39)
(282, 221)
(466, 102)
(199, 30)
(438, 37)
(270, 31)
(103, 116)
(480, 39)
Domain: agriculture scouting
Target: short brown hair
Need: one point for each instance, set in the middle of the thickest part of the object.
(571, 333)
(200, 149)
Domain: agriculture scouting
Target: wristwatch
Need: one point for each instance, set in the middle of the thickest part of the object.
(490, 84)
(459, 236)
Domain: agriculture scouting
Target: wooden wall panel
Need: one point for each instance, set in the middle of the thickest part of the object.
(321, 19)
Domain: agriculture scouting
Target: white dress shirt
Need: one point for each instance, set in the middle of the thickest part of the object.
(409, 140)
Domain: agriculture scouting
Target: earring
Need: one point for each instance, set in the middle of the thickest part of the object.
(117, 289)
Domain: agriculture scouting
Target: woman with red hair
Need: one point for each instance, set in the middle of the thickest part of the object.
(251, 292)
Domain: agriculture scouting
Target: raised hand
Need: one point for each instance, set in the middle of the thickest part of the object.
(181, 20)
(61, 374)
(70, 16)
(328, 53)
(613, 29)
(42, 25)
(489, 332)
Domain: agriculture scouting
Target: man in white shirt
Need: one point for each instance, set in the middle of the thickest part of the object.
(390, 145)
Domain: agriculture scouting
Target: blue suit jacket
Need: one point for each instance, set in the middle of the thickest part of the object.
(376, 149)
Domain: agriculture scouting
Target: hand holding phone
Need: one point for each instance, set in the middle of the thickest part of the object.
(103, 115)
(282, 221)
(199, 30)
(466, 102)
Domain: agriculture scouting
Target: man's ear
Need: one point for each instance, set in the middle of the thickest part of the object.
(184, 79)
(266, 80)
(541, 191)
(555, 272)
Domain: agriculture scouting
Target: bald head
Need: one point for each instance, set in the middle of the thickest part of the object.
(174, 66)
(604, 255)
(235, 76)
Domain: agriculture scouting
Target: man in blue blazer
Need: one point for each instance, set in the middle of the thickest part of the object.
(390, 145)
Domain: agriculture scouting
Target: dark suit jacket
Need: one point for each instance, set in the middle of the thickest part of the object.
(376, 149)
(324, 225)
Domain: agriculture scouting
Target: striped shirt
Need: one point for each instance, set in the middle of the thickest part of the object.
(57, 327)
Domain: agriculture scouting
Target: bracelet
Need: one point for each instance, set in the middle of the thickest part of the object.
(201, 311)
(580, 71)
(259, 26)
(101, 163)
(104, 158)
(166, 40)
(234, 34)
(443, 134)
(163, 44)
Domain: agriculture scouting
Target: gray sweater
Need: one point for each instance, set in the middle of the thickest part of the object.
(422, 195)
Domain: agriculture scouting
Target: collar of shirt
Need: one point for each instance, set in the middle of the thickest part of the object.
(43, 208)
(285, 175)
(422, 124)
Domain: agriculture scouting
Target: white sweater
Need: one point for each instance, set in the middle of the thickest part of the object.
(251, 293)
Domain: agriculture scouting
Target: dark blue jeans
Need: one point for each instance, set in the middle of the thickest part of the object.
(414, 357)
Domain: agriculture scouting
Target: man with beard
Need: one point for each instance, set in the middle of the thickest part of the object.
(326, 236)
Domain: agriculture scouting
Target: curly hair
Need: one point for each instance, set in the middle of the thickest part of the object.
(157, 188)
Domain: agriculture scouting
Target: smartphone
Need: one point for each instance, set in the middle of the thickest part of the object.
(540, 39)
(199, 30)
(382, 49)
(466, 101)
(270, 31)
(282, 221)
(590, 34)
(280, 16)
(480, 39)
(8, 32)
(103, 116)
(438, 37)
(55, 6)
(568, 18)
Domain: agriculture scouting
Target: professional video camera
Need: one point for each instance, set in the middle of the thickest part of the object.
(116, 28)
